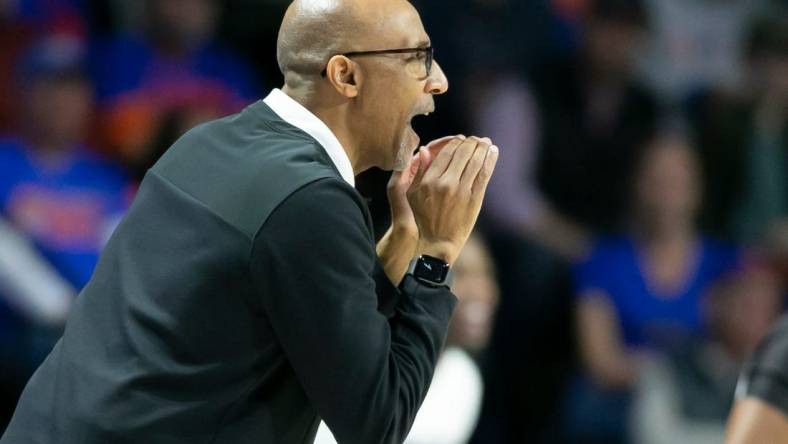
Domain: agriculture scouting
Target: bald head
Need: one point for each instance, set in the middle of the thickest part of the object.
(315, 30)
(368, 100)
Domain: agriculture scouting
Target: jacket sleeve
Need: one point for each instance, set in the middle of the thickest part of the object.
(314, 265)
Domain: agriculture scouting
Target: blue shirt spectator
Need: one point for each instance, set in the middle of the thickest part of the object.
(170, 74)
(68, 208)
(649, 317)
(642, 292)
(131, 65)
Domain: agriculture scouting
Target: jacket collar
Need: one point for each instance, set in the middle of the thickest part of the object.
(295, 114)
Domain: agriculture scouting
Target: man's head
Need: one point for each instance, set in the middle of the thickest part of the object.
(182, 24)
(768, 55)
(744, 305)
(372, 97)
(614, 30)
(667, 181)
(58, 98)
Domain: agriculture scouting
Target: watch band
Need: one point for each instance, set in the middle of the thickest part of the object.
(431, 271)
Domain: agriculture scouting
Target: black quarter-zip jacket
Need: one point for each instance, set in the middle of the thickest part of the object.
(239, 301)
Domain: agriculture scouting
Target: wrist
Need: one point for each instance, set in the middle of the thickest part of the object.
(404, 230)
(440, 249)
(395, 249)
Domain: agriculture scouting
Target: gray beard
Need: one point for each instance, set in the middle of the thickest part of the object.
(403, 155)
(400, 163)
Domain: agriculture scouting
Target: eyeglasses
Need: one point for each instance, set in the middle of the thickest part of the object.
(420, 70)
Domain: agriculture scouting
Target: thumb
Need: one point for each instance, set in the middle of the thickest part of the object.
(423, 163)
(413, 169)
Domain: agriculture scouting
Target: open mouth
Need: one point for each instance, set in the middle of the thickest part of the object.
(418, 114)
(414, 141)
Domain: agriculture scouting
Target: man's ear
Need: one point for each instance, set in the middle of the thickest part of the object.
(344, 75)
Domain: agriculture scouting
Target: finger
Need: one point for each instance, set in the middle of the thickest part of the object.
(483, 178)
(425, 157)
(443, 159)
(413, 170)
(460, 160)
(474, 165)
(400, 180)
(422, 166)
(439, 143)
(434, 148)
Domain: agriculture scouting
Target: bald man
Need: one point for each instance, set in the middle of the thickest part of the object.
(243, 298)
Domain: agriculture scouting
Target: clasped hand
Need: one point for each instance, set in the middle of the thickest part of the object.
(436, 200)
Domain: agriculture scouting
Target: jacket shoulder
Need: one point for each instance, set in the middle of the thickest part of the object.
(243, 166)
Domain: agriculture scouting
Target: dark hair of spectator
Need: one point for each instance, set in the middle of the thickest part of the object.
(769, 35)
(626, 11)
(671, 128)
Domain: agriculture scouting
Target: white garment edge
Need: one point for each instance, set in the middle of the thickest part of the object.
(295, 114)
(451, 409)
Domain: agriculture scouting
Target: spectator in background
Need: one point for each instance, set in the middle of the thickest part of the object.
(515, 203)
(641, 291)
(64, 197)
(687, 395)
(451, 408)
(173, 72)
(592, 117)
(532, 244)
(744, 141)
(21, 22)
(570, 131)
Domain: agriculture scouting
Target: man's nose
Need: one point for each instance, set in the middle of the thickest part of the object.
(437, 83)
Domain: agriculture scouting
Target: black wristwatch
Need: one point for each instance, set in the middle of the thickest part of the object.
(431, 271)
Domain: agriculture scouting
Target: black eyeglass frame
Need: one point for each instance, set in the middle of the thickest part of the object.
(429, 53)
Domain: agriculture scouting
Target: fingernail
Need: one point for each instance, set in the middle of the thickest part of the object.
(494, 149)
(461, 137)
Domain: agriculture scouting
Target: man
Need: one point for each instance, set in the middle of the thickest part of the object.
(240, 300)
(760, 414)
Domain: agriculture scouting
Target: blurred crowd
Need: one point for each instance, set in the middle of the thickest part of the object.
(633, 249)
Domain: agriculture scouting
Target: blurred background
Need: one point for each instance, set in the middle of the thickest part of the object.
(633, 248)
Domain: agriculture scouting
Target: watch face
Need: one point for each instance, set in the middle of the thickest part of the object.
(431, 269)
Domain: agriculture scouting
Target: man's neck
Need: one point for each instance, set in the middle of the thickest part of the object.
(335, 117)
(52, 156)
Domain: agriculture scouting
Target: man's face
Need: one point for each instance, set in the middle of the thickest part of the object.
(59, 109)
(477, 291)
(396, 87)
(748, 306)
(184, 21)
(612, 45)
(668, 185)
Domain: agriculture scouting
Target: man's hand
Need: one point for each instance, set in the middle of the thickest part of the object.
(398, 245)
(447, 195)
(402, 219)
